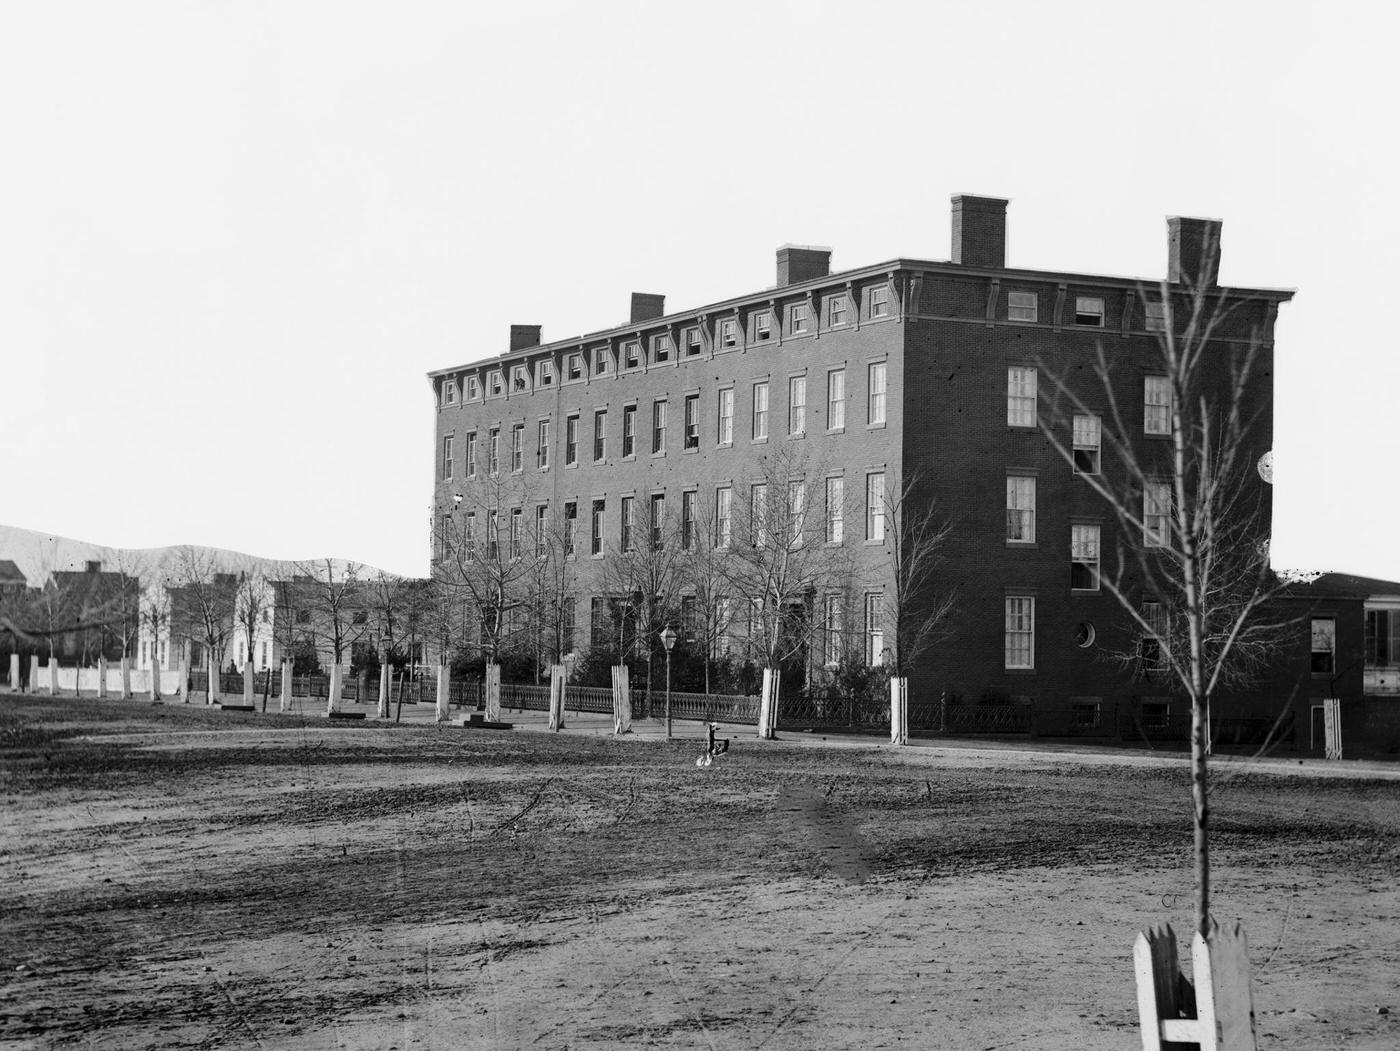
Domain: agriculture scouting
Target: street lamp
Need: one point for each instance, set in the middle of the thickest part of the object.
(668, 640)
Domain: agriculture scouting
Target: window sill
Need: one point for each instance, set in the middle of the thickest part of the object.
(1085, 591)
(1028, 544)
(658, 455)
(759, 441)
(797, 437)
(724, 445)
(626, 458)
(873, 542)
(1159, 437)
(1019, 671)
(1013, 427)
(571, 467)
(876, 426)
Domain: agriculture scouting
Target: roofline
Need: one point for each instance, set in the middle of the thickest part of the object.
(1276, 295)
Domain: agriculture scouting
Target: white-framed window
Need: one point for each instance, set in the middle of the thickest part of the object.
(661, 348)
(449, 393)
(541, 528)
(726, 416)
(762, 326)
(544, 373)
(835, 509)
(469, 537)
(658, 426)
(542, 446)
(690, 337)
(1020, 508)
(657, 519)
(493, 535)
(1088, 310)
(724, 530)
(600, 435)
(519, 379)
(493, 451)
(1020, 631)
(1156, 316)
(1156, 405)
(1022, 306)
(625, 525)
(629, 430)
(1156, 511)
(1153, 646)
(692, 421)
(797, 405)
(473, 388)
(836, 307)
(602, 361)
(517, 521)
(573, 364)
(1324, 645)
(688, 498)
(758, 514)
(875, 505)
(831, 629)
(597, 537)
(874, 628)
(570, 526)
(760, 410)
(631, 354)
(876, 410)
(471, 454)
(836, 399)
(495, 383)
(799, 318)
(447, 457)
(1020, 395)
(728, 332)
(517, 448)
(877, 301)
(571, 440)
(797, 512)
(1084, 557)
(1088, 441)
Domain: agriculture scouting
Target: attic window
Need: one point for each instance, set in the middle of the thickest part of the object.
(1088, 310)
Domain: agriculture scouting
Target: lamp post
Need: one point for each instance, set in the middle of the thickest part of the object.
(668, 640)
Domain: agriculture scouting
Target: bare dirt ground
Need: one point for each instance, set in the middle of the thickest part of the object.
(180, 877)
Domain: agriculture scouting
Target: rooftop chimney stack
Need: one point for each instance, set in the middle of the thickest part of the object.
(1193, 250)
(979, 231)
(523, 337)
(646, 306)
(802, 263)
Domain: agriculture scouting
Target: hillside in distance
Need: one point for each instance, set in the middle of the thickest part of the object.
(39, 554)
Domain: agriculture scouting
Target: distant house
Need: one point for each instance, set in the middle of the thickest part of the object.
(11, 579)
(91, 613)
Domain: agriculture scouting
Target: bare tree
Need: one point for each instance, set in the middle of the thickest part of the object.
(704, 555)
(251, 605)
(1192, 564)
(202, 608)
(333, 597)
(155, 619)
(915, 539)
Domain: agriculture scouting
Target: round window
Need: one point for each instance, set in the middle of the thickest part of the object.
(1084, 635)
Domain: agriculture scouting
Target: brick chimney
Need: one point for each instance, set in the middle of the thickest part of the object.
(1193, 250)
(524, 336)
(802, 263)
(979, 231)
(647, 305)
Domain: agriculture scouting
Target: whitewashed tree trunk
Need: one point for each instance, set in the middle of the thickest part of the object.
(211, 695)
(285, 702)
(155, 679)
(556, 697)
(383, 712)
(185, 677)
(14, 672)
(444, 687)
(126, 678)
(248, 681)
(101, 678)
(333, 692)
(899, 710)
(768, 703)
(493, 693)
(53, 677)
(622, 700)
(33, 673)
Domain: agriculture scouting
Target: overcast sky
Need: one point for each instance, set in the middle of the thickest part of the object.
(235, 236)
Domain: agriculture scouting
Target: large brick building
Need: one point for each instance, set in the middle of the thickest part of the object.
(919, 373)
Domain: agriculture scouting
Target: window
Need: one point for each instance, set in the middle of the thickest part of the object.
(688, 618)
(875, 506)
(600, 508)
(688, 520)
(1022, 306)
(758, 514)
(571, 441)
(541, 528)
(722, 615)
(726, 416)
(1084, 712)
(729, 332)
(1084, 557)
(658, 426)
(447, 457)
(797, 405)
(574, 364)
(760, 411)
(1088, 310)
(876, 411)
(495, 385)
(469, 537)
(691, 338)
(797, 513)
(517, 521)
(836, 311)
(831, 629)
(1156, 317)
(570, 525)
(602, 361)
(1154, 641)
(599, 621)
(544, 373)
(628, 503)
(661, 348)
(1020, 631)
(878, 301)
(600, 435)
(1020, 508)
(542, 446)
(1087, 439)
(835, 510)
(723, 502)
(631, 354)
(1156, 405)
(493, 535)
(519, 379)
(1324, 645)
(692, 421)
(473, 388)
(1156, 506)
(471, 455)
(517, 448)
(570, 618)
(836, 400)
(449, 393)
(629, 431)
(494, 451)
(874, 629)
(1020, 396)
(762, 326)
(658, 519)
(799, 317)
(1382, 638)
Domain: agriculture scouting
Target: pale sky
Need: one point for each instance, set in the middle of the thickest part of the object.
(235, 236)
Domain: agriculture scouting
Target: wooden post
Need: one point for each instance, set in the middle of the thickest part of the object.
(185, 676)
(444, 686)
(333, 690)
(1332, 726)
(493, 693)
(267, 687)
(126, 678)
(899, 710)
(285, 701)
(101, 678)
(384, 671)
(768, 703)
(14, 673)
(33, 673)
(556, 697)
(53, 677)
(154, 685)
(248, 684)
(211, 685)
(1217, 1013)
(398, 710)
(622, 699)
